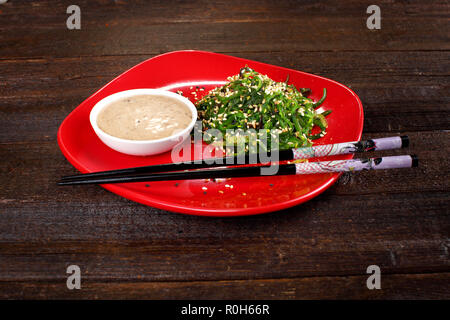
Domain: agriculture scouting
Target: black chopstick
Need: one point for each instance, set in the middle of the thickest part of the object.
(289, 154)
(199, 174)
(179, 166)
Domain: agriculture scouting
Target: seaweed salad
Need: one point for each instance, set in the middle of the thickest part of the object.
(250, 100)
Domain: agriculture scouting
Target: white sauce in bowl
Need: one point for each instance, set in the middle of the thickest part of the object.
(144, 117)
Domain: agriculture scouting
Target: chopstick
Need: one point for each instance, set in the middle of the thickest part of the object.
(388, 143)
(392, 162)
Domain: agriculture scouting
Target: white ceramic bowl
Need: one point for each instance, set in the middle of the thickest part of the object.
(141, 147)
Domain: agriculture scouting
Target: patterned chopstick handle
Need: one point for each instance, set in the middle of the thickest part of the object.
(351, 147)
(357, 164)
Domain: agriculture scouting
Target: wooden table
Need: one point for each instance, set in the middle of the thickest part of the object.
(398, 220)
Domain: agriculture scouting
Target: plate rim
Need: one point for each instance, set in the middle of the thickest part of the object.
(223, 212)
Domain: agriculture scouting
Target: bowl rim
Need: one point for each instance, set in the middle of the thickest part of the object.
(100, 105)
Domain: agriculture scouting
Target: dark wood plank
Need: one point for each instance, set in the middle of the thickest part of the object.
(398, 220)
(32, 168)
(371, 217)
(256, 256)
(228, 26)
(47, 13)
(412, 286)
(402, 91)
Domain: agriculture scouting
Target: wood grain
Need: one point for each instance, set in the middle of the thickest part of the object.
(226, 26)
(33, 167)
(398, 220)
(401, 91)
(361, 208)
(412, 286)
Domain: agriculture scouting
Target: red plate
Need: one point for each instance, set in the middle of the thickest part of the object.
(181, 70)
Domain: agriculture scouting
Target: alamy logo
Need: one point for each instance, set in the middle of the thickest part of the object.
(73, 22)
(374, 20)
(74, 280)
(374, 281)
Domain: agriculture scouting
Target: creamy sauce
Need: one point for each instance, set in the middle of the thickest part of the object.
(144, 117)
